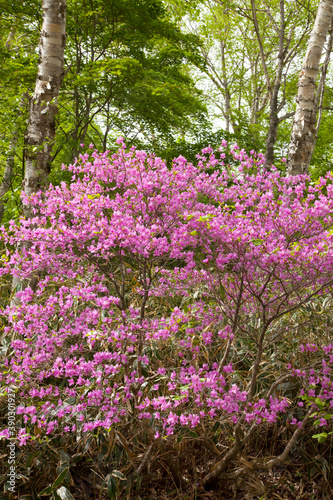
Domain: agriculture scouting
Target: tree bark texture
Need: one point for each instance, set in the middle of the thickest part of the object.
(43, 108)
(273, 116)
(321, 85)
(304, 126)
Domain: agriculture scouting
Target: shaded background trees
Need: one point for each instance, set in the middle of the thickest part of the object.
(254, 51)
(171, 76)
(126, 72)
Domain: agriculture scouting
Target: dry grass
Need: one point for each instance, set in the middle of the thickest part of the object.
(175, 468)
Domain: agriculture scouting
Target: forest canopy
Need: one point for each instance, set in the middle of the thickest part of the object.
(166, 249)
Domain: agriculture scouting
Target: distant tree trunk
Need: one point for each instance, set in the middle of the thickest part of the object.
(304, 126)
(273, 87)
(273, 117)
(227, 97)
(11, 38)
(8, 175)
(10, 160)
(41, 126)
(321, 85)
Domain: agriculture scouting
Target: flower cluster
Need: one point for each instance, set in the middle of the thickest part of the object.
(150, 282)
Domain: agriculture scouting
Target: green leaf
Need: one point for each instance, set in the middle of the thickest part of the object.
(320, 403)
(222, 291)
(47, 491)
(321, 437)
(205, 218)
(60, 478)
(76, 458)
(193, 233)
(87, 445)
(180, 438)
(111, 486)
(64, 456)
(216, 426)
(117, 473)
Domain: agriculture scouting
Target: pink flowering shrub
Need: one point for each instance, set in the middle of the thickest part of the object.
(164, 298)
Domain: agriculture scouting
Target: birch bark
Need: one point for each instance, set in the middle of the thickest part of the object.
(304, 125)
(43, 108)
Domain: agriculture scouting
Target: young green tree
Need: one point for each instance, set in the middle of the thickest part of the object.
(127, 75)
(252, 50)
(126, 72)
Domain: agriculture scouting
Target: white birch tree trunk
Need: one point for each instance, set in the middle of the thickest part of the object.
(43, 109)
(41, 126)
(304, 126)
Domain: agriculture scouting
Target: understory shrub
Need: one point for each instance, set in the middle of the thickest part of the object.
(171, 304)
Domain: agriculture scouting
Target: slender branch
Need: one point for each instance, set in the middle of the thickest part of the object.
(279, 460)
(261, 48)
(144, 460)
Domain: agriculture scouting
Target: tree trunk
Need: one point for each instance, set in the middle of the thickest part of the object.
(41, 126)
(8, 175)
(227, 98)
(321, 85)
(43, 109)
(11, 38)
(273, 117)
(304, 125)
